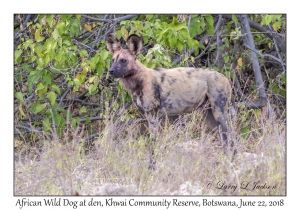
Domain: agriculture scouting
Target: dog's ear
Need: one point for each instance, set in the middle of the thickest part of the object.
(134, 44)
(112, 43)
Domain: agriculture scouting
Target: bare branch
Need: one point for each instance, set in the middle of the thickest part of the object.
(248, 40)
(218, 41)
(29, 130)
(88, 138)
(110, 21)
(25, 101)
(84, 120)
(80, 101)
(64, 95)
(98, 19)
(24, 25)
(264, 55)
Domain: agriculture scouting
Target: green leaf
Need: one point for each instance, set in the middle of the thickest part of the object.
(105, 54)
(92, 88)
(27, 67)
(48, 79)
(226, 58)
(61, 28)
(65, 17)
(61, 127)
(37, 108)
(190, 43)
(82, 110)
(46, 124)
(192, 59)
(19, 96)
(27, 43)
(18, 56)
(210, 24)
(52, 97)
(179, 26)
(201, 45)
(180, 46)
(195, 27)
(78, 17)
(234, 18)
(50, 44)
(56, 88)
(75, 121)
(83, 53)
(244, 132)
(276, 25)
(183, 34)
(39, 50)
(49, 19)
(39, 39)
(172, 40)
(269, 19)
(21, 110)
(149, 17)
(210, 30)
(40, 86)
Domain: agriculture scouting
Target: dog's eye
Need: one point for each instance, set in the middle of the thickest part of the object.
(112, 60)
(123, 60)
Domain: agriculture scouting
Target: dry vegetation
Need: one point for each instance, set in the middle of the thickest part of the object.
(188, 158)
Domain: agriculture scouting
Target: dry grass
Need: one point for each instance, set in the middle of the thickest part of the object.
(189, 161)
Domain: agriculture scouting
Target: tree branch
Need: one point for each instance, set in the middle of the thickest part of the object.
(24, 25)
(218, 42)
(265, 55)
(248, 40)
(110, 21)
(80, 101)
(98, 19)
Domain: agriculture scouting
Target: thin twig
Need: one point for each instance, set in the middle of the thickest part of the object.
(64, 95)
(97, 39)
(203, 51)
(98, 19)
(264, 55)
(87, 138)
(24, 25)
(28, 130)
(74, 41)
(81, 120)
(25, 101)
(80, 101)
(110, 21)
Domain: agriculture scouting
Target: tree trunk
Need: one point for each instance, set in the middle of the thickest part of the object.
(248, 40)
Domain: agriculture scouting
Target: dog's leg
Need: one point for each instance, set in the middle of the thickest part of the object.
(153, 125)
(219, 109)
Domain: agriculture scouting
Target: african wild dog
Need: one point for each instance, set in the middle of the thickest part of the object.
(172, 91)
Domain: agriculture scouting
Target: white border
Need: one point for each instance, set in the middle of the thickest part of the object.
(8, 8)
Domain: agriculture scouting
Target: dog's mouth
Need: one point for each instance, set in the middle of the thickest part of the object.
(127, 76)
